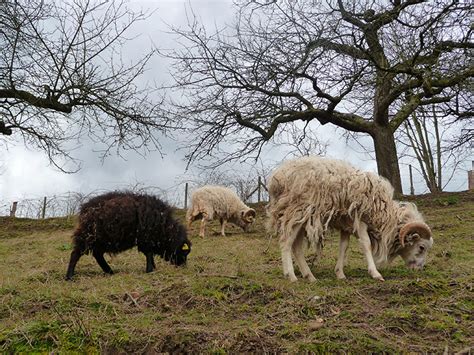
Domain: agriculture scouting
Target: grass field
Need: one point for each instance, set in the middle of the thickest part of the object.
(232, 296)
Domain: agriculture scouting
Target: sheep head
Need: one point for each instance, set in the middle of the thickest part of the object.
(415, 239)
(247, 217)
(179, 256)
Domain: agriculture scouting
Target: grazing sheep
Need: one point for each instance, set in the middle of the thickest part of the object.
(117, 221)
(210, 202)
(311, 194)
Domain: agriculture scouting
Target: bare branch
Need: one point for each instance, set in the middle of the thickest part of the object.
(62, 75)
(362, 66)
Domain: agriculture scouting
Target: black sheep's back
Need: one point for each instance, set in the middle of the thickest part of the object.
(117, 221)
(99, 200)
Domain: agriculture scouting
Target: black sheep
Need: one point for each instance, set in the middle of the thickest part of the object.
(117, 221)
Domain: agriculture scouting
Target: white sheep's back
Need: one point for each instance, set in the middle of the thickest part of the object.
(318, 193)
(216, 201)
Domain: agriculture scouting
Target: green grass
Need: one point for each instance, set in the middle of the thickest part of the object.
(232, 296)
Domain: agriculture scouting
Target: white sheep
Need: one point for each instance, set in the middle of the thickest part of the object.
(311, 194)
(211, 202)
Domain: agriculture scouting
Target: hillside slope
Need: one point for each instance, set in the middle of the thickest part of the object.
(232, 296)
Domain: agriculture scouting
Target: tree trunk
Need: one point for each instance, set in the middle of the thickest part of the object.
(386, 156)
(384, 141)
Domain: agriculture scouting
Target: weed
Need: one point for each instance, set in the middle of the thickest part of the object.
(448, 200)
(65, 247)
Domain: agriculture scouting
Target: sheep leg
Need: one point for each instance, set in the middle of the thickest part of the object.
(75, 256)
(343, 244)
(298, 251)
(223, 222)
(150, 262)
(203, 228)
(287, 261)
(364, 242)
(203, 225)
(99, 256)
(190, 218)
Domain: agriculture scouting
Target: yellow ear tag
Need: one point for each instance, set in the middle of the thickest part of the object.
(185, 247)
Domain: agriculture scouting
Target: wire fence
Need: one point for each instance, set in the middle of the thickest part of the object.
(60, 205)
(68, 203)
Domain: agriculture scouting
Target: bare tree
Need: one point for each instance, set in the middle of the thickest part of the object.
(251, 185)
(426, 137)
(364, 66)
(460, 111)
(73, 202)
(304, 142)
(244, 184)
(62, 75)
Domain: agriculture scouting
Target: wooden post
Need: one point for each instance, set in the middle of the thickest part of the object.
(259, 191)
(13, 209)
(412, 189)
(186, 196)
(470, 175)
(43, 212)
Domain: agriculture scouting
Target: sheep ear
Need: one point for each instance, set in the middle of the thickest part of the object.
(408, 229)
(185, 247)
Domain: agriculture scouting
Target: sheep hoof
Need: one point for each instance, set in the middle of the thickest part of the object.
(311, 278)
(339, 273)
(378, 277)
(293, 279)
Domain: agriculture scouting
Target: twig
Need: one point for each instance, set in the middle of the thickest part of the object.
(189, 300)
(81, 324)
(28, 340)
(133, 300)
(264, 350)
(61, 318)
(465, 351)
(217, 275)
(396, 327)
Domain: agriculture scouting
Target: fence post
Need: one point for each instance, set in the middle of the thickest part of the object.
(43, 212)
(259, 191)
(13, 209)
(412, 189)
(186, 196)
(470, 175)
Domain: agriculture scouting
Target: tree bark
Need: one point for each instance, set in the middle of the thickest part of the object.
(386, 156)
(384, 140)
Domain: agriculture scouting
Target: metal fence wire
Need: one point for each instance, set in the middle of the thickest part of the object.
(60, 205)
(69, 203)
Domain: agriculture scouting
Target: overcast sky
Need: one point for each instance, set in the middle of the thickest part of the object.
(27, 174)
